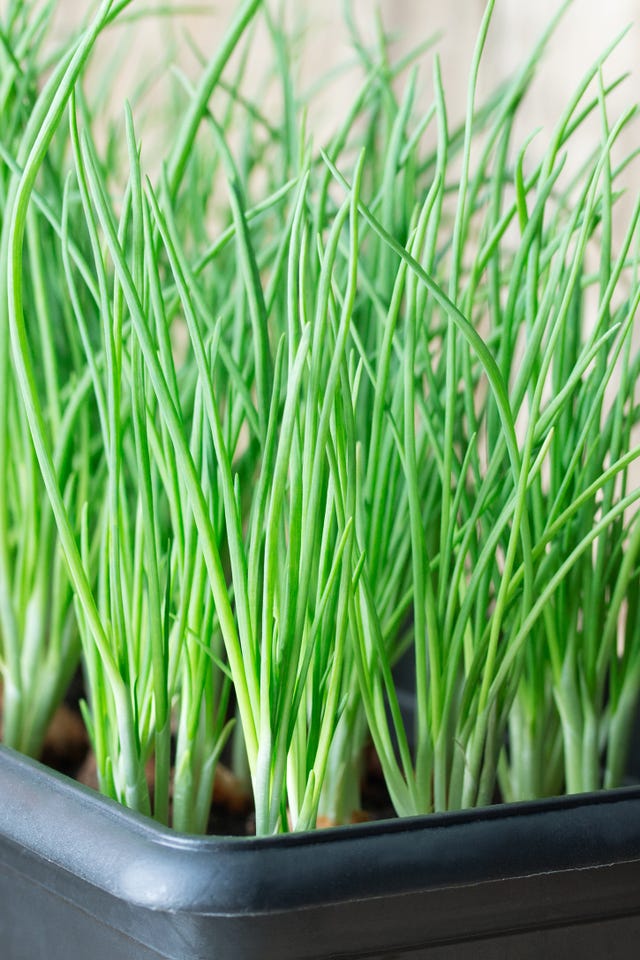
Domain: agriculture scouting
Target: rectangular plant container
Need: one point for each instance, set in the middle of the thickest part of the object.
(80, 877)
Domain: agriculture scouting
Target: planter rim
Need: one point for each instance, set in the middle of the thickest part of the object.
(48, 817)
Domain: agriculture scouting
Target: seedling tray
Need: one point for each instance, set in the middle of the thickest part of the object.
(81, 877)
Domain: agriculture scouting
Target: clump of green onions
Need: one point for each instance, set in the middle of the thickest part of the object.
(314, 410)
(39, 644)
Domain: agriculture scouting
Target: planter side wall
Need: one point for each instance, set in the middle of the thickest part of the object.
(81, 878)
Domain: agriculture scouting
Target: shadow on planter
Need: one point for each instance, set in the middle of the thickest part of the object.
(82, 878)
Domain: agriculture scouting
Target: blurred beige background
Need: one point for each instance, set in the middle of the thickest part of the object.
(587, 27)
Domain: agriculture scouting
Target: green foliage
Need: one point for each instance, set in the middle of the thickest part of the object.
(379, 401)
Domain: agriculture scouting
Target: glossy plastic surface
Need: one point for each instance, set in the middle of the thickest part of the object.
(80, 877)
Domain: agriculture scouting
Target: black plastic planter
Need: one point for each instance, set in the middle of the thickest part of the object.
(82, 878)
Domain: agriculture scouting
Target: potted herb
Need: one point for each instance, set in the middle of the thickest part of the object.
(274, 419)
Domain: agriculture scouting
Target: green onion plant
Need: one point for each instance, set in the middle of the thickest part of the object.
(39, 644)
(278, 414)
